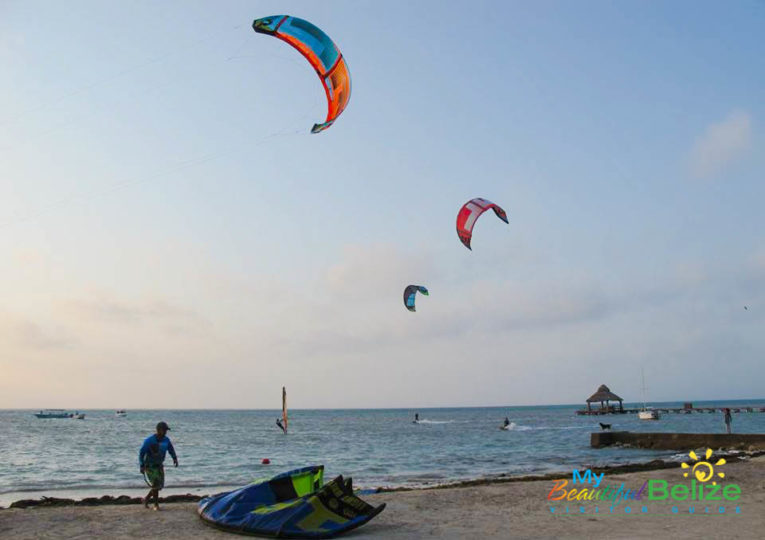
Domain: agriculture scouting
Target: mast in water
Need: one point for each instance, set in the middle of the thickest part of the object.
(284, 408)
(645, 413)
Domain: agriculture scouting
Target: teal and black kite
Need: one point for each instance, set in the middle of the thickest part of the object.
(410, 292)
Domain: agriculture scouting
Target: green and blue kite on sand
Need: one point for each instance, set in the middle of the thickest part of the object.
(295, 504)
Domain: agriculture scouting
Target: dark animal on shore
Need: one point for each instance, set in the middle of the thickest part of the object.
(605, 427)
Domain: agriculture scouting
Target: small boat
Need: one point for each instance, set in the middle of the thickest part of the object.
(77, 416)
(53, 413)
(121, 413)
(645, 413)
(648, 414)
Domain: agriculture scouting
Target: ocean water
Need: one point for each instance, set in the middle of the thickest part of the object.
(221, 448)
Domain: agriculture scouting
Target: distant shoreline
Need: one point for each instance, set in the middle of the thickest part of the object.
(637, 403)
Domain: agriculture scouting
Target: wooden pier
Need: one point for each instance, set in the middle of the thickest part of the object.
(671, 410)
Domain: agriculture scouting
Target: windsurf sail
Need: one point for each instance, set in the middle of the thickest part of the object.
(284, 408)
(295, 504)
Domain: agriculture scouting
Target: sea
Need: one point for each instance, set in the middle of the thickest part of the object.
(222, 449)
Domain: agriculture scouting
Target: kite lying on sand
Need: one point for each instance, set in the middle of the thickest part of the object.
(295, 504)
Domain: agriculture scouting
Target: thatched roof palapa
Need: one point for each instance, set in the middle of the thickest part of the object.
(603, 394)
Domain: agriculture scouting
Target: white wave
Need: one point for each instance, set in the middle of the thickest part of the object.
(515, 427)
(425, 421)
(564, 427)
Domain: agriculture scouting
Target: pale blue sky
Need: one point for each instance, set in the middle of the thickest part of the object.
(164, 211)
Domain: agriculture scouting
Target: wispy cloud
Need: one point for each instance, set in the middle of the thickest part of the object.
(378, 269)
(171, 318)
(11, 45)
(26, 335)
(363, 309)
(720, 144)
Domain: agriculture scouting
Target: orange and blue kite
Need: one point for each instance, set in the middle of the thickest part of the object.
(321, 52)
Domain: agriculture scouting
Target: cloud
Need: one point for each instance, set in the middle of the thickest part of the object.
(27, 335)
(11, 45)
(170, 318)
(371, 271)
(373, 321)
(720, 144)
(758, 260)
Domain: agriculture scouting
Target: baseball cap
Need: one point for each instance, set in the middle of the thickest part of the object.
(163, 425)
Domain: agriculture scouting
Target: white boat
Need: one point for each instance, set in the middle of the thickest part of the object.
(78, 416)
(53, 413)
(121, 413)
(645, 413)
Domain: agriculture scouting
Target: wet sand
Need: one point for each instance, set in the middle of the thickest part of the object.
(500, 510)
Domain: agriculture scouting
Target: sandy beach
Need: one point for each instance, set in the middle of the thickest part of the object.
(500, 510)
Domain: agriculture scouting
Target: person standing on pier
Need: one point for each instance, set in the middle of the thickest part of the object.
(728, 419)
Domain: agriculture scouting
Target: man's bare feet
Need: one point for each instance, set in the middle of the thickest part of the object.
(145, 502)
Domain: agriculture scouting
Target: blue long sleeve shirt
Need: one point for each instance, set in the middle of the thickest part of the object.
(153, 451)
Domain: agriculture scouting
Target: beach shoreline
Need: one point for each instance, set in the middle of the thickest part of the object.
(180, 495)
(458, 445)
(508, 509)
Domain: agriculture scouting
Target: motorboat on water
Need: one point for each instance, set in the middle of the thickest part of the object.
(60, 413)
(53, 413)
(121, 413)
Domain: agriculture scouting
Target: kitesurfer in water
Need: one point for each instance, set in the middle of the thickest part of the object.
(416, 418)
(151, 459)
(279, 423)
(507, 422)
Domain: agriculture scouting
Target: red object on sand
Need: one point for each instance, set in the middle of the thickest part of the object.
(266, 461)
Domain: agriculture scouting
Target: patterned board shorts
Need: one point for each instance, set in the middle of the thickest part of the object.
(155, 476)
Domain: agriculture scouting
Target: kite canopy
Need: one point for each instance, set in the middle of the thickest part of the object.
(321, 52)
(409, 294)
(294, 504)
(468, 215)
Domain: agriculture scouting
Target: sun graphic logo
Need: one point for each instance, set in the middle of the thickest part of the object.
(703, 470)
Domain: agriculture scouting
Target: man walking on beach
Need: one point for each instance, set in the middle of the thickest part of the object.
(728, 419)
(151, 458)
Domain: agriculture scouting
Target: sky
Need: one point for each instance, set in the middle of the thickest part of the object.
(173, 237)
